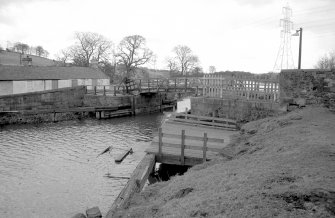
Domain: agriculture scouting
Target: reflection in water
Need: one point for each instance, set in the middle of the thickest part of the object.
(52, 169)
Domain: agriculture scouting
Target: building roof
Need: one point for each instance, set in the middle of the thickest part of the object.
(49, 73)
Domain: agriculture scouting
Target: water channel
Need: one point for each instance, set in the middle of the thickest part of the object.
(52, 169)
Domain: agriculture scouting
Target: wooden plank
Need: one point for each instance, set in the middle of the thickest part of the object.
(182, 161)
(188, 137)
(160, 136)
(204, 148)
(122, 156)
(186, 146)
(134, 184)
(202, 123)
(204, 117)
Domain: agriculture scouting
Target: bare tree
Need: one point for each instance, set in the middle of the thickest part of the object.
(21, 47)
(172, 64)
(326, 62)
(187, 61)
(212, 69)
(64, 56)
(132, 53)
(39, 50)
(90, 46)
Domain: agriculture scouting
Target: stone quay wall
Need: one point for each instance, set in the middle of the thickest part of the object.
(238, 109)
(45, 100)
(307, 87)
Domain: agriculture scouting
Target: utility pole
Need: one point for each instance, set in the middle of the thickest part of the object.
(299, 33)
(300, 47)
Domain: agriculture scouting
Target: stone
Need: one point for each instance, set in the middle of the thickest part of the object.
(93, 212)
(79, 215)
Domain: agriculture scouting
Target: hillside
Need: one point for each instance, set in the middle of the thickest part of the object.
(13, 58)
(282, 167)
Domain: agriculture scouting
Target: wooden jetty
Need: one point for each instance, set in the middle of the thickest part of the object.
(180, 143)
(177, 143)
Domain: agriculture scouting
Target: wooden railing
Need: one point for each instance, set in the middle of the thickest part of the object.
(203, 120)
(250, 87)
(149, 85)
(185, 144)
(105, 89)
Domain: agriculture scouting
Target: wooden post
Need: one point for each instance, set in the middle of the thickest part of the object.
(95, 90)
(148, 85)
(160, 142)
(140, 88)
(114, 90)
(160, 102)
(104, 90)
(185, 85)
(204, 148)
(182, 155)
(175, 85)
(134, 105)
(54, 118)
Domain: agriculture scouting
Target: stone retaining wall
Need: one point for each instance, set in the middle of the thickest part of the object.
(238, 109)
(308, 87)
(53, 99)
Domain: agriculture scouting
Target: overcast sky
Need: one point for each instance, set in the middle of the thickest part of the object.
(229, 34)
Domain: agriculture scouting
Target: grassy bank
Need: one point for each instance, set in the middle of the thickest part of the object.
(282, 166)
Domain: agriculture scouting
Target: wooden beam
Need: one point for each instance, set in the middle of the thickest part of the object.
(204, 148)
(122, 156)
(182, 156)
(134, 184)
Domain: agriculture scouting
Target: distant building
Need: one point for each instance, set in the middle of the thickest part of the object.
(23, 79)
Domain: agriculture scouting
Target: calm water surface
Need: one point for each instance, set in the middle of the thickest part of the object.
(52, 170)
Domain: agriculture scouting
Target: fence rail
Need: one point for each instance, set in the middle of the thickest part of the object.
(185, 144)
(251, 87)
(203, 120)
(150, 85)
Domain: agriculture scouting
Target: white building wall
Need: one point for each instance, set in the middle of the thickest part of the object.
(19, 87)
(48, 84)
(6, 87)
(64, 83)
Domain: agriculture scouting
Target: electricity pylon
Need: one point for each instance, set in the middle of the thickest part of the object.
(284, 57)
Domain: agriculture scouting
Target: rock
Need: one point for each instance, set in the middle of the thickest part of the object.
(79, 215)
(93, 212)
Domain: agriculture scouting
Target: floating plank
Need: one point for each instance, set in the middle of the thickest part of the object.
(122, 156)
(134, 184)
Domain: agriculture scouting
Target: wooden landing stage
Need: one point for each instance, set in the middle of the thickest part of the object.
(178, 142)
(190, 143)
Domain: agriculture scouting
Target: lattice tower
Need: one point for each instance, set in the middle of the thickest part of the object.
(284, 57)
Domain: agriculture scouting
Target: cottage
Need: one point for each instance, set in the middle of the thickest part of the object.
(23, 79)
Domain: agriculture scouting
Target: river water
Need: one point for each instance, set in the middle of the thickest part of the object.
(52, 169)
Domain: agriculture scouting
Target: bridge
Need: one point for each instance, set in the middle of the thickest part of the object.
(185, 85)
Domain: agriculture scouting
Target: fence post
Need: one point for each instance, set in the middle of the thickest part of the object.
(182, 156)
(114, 90)
(140, 88)
(185, 84)
(148, 85)
(104, 90)
(204, 148)
(175, 85)
(196, 94)
(160, 142)
(95, 90)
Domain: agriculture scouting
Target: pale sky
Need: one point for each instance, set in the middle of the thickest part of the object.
(228, 34)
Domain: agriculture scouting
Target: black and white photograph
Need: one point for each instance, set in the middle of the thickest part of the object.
(172, 109)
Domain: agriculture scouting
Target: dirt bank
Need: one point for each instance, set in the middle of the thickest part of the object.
(282, 166)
